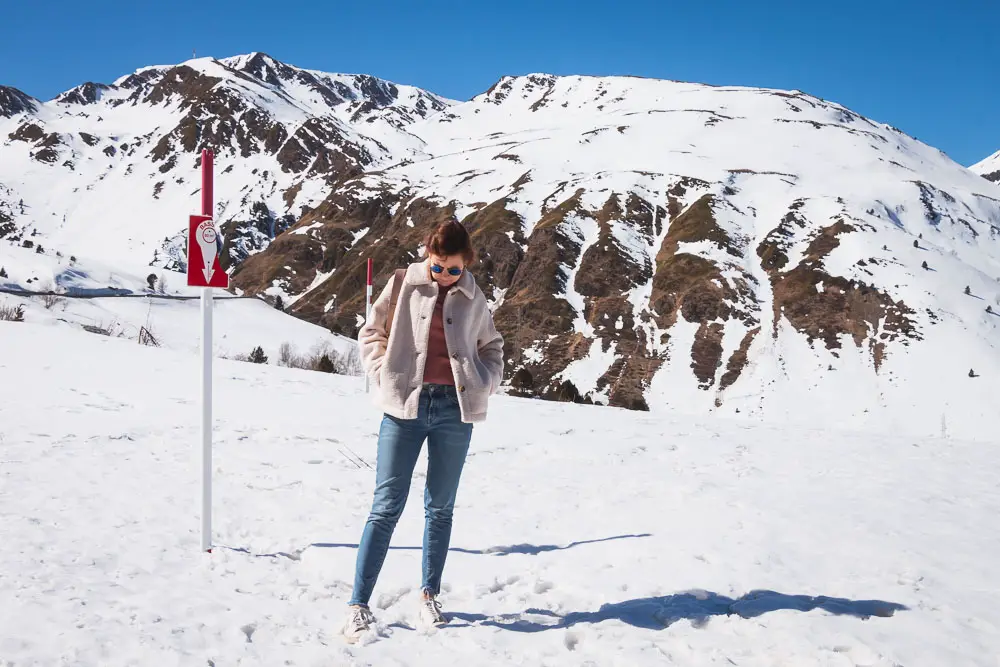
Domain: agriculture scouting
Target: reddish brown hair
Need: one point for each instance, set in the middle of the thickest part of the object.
(451, 238)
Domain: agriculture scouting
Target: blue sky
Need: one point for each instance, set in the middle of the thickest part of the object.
(923, 66)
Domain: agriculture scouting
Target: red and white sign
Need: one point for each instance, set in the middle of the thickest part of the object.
(204, 248)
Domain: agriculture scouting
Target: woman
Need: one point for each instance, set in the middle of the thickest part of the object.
(434, 368)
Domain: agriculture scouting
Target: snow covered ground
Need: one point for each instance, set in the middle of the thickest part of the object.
(240, 325)
(584, 535)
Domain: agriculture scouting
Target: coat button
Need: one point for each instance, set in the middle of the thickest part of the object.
(462, 389)
(454, 356)
(449, 320)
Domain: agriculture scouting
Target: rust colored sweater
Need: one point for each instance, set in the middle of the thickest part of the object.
(438, 367)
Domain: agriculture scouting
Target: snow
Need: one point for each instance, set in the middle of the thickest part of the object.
(358, 235)
(730, 542)
(308, 228)
(585, 232)
(240, 325)
(987, 166)
(584, 373)
(316, 282)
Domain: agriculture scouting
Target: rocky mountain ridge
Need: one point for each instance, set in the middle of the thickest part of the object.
(647, 244)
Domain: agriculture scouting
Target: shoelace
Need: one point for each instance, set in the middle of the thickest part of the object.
(362, 616)
(434, 607)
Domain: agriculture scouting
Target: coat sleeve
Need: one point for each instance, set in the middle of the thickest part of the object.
(490, 344)
(372, 338)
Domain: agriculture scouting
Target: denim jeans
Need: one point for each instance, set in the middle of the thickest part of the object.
(439, 421)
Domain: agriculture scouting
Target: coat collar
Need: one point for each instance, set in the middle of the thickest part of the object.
(419, 273)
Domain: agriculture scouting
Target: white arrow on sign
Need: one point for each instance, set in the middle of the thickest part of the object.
(207, 237)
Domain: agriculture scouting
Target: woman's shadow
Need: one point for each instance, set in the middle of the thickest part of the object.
(656, 613)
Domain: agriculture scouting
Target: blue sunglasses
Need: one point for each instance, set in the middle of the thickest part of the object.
(453, 271)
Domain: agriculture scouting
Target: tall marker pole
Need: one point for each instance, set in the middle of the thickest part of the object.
(368, 307)
(207, 205)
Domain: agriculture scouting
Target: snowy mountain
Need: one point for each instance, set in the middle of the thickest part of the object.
(989, 168)
(785, 255)
(123, 158)
(648, 244)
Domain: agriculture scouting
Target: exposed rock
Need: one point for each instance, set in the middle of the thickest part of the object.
(88, 93)
(28, 132)
(243, 238)
(13, 102)
(841, 306)
(699, 290)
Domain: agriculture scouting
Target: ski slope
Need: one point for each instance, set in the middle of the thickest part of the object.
(583, 535)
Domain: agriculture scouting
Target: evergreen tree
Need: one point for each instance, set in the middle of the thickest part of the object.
(916, 244)
(279, 304)
(325, 365)
(3, 272)
(258, 356)
(924, 265)
(967, 290)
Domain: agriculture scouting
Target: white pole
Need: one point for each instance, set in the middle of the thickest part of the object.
(206, 419)
(368, 316)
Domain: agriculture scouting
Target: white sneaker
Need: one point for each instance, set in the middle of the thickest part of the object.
(358, 623)
(430, 611)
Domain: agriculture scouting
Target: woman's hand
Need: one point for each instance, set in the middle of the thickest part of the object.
(490, 348)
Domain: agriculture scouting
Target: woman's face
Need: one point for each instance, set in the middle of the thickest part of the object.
(440, 266)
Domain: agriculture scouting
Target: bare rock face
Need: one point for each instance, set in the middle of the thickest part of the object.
(13, 102)
(88, 93)
(695, 288)
(824, 307)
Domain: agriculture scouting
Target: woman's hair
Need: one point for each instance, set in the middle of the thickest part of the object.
(451, 238)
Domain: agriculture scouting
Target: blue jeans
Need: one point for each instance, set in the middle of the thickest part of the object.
(439, 421)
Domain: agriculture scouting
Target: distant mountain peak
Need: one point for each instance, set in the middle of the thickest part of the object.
(88, 93)
(989, 168)
(13, 102)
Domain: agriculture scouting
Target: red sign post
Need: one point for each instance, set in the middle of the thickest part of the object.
(204, 248)
(204, 270)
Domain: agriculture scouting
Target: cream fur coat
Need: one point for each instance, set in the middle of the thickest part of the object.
(395, 364)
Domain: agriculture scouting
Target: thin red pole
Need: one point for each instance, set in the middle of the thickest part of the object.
(207, 158)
